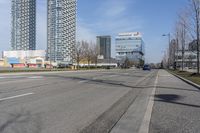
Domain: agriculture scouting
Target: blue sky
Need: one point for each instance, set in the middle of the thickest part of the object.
(108, 17)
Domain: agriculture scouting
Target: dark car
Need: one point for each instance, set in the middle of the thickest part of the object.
(146, 67)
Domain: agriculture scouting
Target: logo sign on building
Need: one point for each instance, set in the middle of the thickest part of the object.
(130, 34)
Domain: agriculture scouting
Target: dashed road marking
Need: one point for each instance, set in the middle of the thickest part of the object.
(17, 96)
(35, 77)
(20, 77)
(83, 81)
(13, 77)
(110, 76)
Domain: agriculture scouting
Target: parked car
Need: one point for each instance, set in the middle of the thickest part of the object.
(147, 67)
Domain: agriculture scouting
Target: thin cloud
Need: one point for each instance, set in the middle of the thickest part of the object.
(113, 8)
(84, 33)
(112, 17)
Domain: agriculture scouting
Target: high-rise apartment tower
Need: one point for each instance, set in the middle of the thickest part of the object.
(23, 34)
(61, 30)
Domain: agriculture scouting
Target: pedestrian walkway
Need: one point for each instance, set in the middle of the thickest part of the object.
(176, 106)
(168, 105)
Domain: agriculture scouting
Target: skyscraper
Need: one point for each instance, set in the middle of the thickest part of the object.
(23, 34)
(104, 43)
(61, 30)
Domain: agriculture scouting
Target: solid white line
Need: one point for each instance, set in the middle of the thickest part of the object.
(17, 96)
(144, 128)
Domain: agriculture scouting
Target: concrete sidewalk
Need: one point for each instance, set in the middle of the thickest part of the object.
(173, 108)
(176, 106)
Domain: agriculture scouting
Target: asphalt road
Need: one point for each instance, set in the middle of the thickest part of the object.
(69, 102)
(101, 101)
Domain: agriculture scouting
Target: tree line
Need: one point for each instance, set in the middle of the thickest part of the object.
(86, 51)
(186, 30)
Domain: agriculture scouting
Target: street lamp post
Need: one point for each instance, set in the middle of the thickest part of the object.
(169, 37)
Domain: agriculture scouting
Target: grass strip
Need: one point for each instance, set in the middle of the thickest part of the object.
(187, 75)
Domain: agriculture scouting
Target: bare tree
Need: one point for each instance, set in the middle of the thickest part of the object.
(78, 56)
(194, 11)
(165, 60)
(175, 47)
(181, 33)
(172, 52)
(95, 53)
(182, 39)
(87, 52)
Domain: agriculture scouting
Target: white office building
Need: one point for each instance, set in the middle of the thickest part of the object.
(129, 45)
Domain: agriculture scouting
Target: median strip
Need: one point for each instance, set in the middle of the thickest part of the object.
(107, 120)
(144, 128)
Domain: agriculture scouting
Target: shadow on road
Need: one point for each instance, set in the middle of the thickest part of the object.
(173, 99)
(96, 81)
(20, 121)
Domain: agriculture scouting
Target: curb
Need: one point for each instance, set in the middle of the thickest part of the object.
(186, 80)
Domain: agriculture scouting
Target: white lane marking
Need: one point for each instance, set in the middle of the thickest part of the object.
(35, 77)
(17, 96)
(83, 81)
(13, 77)
(18, 81)
(16, 77)
(110, 76)
(144, 128)
(104, 76)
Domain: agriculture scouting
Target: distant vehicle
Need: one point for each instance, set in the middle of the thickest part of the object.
(147, 67)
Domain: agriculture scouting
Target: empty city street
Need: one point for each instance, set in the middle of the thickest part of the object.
(97, 101)
(99, 66)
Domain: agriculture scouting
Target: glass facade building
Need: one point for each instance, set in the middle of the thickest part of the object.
(61, 30)
(131, 46)
(104, 44)
(23, 32)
